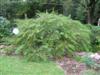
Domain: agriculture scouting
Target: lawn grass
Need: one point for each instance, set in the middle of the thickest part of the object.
(16, 66)
(90, 72)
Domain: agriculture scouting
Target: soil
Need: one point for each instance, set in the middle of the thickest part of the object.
(73, 67)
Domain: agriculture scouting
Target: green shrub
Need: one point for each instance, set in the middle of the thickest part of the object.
(5, 28)
(96, 38)
(52, 35)
(23, 23)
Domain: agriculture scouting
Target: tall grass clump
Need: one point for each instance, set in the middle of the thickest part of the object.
(52, 35)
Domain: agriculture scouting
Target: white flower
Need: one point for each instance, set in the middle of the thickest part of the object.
(92, 55)
(15, 31)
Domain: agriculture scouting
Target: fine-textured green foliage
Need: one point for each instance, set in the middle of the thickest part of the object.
(53, 35)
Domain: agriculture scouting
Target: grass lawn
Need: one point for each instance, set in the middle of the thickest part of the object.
(15, 66)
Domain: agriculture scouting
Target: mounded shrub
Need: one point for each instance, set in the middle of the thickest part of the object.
(52, 35)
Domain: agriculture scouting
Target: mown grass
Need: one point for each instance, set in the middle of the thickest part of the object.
(15, 66)
(91, 72)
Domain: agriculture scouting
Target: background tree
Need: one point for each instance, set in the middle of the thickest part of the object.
(89, 9)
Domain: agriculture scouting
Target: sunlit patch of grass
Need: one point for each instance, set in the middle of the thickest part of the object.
(15, 66)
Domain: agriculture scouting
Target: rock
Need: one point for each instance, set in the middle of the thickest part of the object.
(95, 56)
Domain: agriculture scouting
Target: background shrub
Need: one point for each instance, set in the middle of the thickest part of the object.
(5, 28)
(96, 38)
(52, 35)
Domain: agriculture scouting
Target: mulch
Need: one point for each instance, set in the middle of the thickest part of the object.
(72, 67)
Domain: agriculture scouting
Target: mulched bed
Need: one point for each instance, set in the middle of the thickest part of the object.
(7, 50)
(70, 66)
(73, 67)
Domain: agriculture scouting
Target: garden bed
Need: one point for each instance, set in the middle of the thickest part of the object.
(73, 67)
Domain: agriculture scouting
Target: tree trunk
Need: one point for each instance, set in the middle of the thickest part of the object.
(90, 12)
(25, 15)
(88, 17)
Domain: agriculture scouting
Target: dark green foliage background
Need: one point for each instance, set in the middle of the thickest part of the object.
(5, 28)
